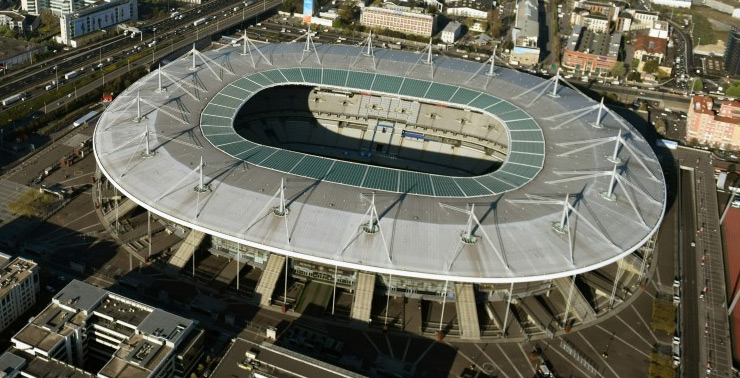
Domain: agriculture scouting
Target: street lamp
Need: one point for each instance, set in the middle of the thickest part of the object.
(154, 41)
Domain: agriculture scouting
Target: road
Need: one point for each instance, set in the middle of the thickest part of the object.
(705, 319)
(193, 35)
(689, 301)
(33, 79)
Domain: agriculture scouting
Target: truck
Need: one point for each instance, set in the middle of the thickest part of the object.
(16, 97)
(199, 21)
(70, 75)
(174, 14)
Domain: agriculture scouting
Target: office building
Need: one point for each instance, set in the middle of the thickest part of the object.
(591, 52)
(732, 51)
(19, 288)
(399, 18)
(100, 16)
(108, 335)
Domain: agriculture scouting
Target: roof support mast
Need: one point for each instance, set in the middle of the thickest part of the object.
(159, 79)
(138, 107)
(555, 80)
(248, 44)
(367, 51)
(468, 238)
(309, 46)
(598, 124)
(371, 227)
(425, 58)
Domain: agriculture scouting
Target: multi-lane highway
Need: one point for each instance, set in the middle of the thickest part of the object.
(705, 336)
(173, 38)
(689, 301)
(33, 79)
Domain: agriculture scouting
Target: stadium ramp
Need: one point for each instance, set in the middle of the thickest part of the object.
(467, 313)
(363, 300)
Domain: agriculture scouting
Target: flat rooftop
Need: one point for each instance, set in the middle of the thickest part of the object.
(287, 363)
(13, 271)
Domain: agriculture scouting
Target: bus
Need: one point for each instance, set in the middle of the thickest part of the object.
(199, 21)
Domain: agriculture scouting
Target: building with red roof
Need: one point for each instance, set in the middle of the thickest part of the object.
(650, 48)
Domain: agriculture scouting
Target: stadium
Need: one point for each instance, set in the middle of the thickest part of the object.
(510, 205)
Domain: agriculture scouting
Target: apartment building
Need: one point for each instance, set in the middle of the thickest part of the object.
(19, 288)
(108, 335)
(720, 128)
(469, 8)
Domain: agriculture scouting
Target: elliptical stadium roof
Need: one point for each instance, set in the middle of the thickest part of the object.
(421, 216)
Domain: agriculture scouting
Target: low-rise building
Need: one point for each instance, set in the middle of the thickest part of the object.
(673, 3)
(469, 8)
(642, 19)
(19, 288)
(85, 325)
(594, 22)
(99, 16)
(659, 29)
(451, 32)
(400, 18)
(526, 34)
(591, 52)
(647, 48)
(15, 21)
(610, 10)
(719, 128)
(624, 22)
(15, 52)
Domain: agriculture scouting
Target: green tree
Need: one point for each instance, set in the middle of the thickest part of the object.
(618, 69)
(7, 32)
(734, 90)
(348, 12)
(651, 66)
(696, 85)
(495, 30)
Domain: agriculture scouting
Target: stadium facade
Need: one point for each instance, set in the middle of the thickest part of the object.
(517, 202)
